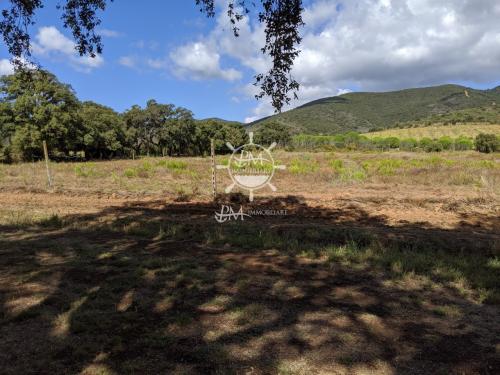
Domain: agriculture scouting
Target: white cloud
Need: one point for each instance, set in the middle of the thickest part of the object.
(52, 43)
(128, 61)
(157, 63)
(90, 62)
(152, 45)
(50, 39)
(200, 61)
(6, 67)
(110, 33)
(375, 45)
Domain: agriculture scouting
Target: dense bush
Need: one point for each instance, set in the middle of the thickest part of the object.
(270, 132)
(487, 143)
(356, 141)
(446, 143)
(408, 144)
(463, 143)
(430, 145)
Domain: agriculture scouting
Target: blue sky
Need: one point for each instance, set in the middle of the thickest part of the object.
(144, 32)
(169, 51)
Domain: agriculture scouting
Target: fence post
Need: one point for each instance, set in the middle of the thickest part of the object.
(214, 178)
(46, 155)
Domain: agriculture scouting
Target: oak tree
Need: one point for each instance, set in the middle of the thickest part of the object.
(41, 108)
(282, 20)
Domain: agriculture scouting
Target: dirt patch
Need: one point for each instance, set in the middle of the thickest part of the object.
(122, 286)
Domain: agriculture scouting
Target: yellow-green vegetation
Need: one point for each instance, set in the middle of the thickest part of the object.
(191, 176)
(172, 164)
(438, 131)
(85, 169)
(303, 165)
(353, 141)
(347, 171)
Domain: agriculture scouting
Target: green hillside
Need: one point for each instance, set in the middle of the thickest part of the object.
(365, 111)
(217, 119)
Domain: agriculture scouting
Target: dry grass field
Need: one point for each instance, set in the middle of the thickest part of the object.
(385, 263)
(437, 131)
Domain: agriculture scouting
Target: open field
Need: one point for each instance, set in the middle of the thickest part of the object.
(437, 131)
(386, 263)
(182, 178)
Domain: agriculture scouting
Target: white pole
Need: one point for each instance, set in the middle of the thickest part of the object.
(46, 154)
(214, 177)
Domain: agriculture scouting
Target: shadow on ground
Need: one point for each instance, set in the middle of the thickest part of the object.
(162, 288)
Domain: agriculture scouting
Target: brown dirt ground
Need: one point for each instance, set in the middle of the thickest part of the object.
(86, 299)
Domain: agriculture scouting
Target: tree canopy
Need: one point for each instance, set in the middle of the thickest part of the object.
(35, 106)
(282, 20)
(104, 135)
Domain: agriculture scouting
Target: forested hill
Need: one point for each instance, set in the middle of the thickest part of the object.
(220, 120)
(365, 111)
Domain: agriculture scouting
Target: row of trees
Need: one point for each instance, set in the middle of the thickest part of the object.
(355, 141)
(35, 106)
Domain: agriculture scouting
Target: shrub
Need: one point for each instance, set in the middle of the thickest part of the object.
(173, 164)
(463, 143)
(337, 165)
(298, 166)
(430, 145)
(130, 172)
(425, 143)
(176, 165)
(487, 143)
(388, 167)
(348, 174)
(392, 142)
(270, 132)
(5, 154)
(408, 144)
(378, 143)
(85, 170)
(352, 140)
(445, 142)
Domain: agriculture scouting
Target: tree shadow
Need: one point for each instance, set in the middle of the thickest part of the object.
(163, 288)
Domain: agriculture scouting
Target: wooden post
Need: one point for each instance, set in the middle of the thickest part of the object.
(46, 154)
(133, 154)
(214, 179)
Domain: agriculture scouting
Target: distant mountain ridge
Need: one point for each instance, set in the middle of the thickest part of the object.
(365, 111)
(217, 119)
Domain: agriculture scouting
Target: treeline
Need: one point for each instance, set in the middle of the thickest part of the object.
(355, 141)
(35, 106)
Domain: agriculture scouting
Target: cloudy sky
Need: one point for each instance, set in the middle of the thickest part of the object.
(170, 52)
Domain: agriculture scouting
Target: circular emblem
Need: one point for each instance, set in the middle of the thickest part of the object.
(251, 167)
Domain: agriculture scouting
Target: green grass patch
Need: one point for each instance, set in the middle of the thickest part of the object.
(85, 170)
(303, 166)
(144, 170)
(173, 165)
